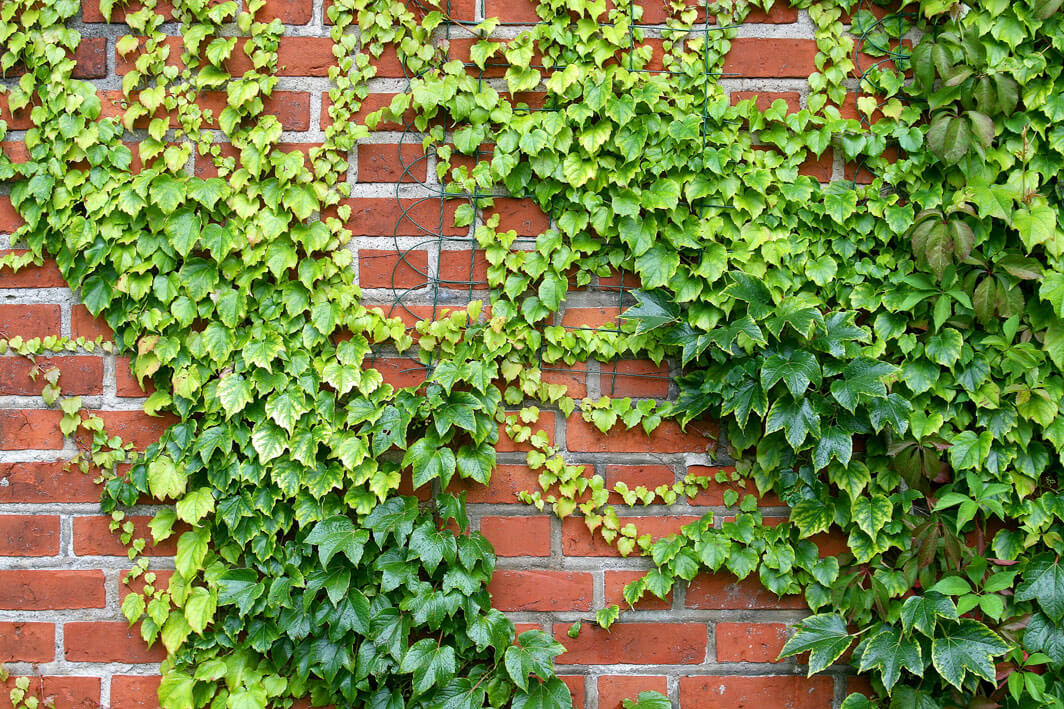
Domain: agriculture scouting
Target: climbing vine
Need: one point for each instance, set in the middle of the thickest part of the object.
(885, 358)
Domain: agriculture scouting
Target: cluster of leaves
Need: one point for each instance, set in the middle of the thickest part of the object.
(886, 359)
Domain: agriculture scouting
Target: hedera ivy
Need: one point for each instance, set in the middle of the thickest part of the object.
(886, 358)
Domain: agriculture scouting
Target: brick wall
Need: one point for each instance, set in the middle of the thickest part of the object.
(713, 644)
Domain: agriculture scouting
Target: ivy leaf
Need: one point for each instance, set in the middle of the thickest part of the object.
(1043, 635)
(796, 418)
(653, 310)
(812, 517)
(861, 378)
(1043, 580)
(872, 513)
(164, 479)
(970, 450)
(967, 646)
(199, 608)
(923, 612)
(551, 694)
(1052, 291)
(240, 588)
(476, 463)
(338, 534)
(269, 441)
(797, 368)
(183, 230)
(1036, 225)
(657, 265)
(945, 347)
(890, 651)
(834, 443)
(234, 393)
(429, 461)
(823, 636)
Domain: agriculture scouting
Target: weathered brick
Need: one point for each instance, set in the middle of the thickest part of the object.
(634, 378)
(28, 320)
(731, 692)
(461, 269)
(401, 270)
(93, 537)
(29, 535)
(722, 591)
(577, 687)
(407, 217)
(27, 642)
(104, 641)
(635, 643)
(91, 58)
(400, 371)
(45, 482)
(133, 692)
(771, 58)
(506, 481)
(391, 162)
(30, 429)
(541, 590)
(38, 590)
(518, 536)
(614, 583)
(79, 375)
(58, 692)
(126, 384)
(82, 324)
(521, 215)
(46, 275)
(614, 689)
(749, 642)
(135, 427)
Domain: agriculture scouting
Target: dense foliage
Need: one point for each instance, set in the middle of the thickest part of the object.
(884, 358)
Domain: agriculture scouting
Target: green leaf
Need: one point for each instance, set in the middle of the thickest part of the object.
(648, 700)
(551, 694)
(823, 636)
(834, 443)
(1037, 225)
(797, 419)
(195, 505)
(199, 608)
(970, 450)
(945, 347)
(812, 517)
(269, 441)
(234, 393)
(657, 266)
(191, 551)
(239, 587)
(872, 513)
(1043, 581)
(1045, 636)
(183, 230)
(164, 479)
(889, 651)
(338, 534)
(923, 612)
(797, 368)
(966, 646)
(653, 310)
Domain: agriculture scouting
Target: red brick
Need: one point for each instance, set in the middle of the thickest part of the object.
(57, 692)
(289, 12)
(512, 10)
(620, 280)
(9, 218)
(635, 643)
(29, 535)
(135, 427)
(28, 321)
(91, 58)
(460, 269)
(27, 642)
(408, 217)
(520, 215)
(771, 58)
(393, 269)
(545, 424)
(749, 642)
(764, 99)
(614, 689)
(16, 152)
(649, 476)
(577, 540)
(819, 168)
(541, 590)
(730, 692)
(615, 581)
(126, 384)
(19, 120)
(574, 377)
(93, 537)
(391, 162)
(575, 683)
(666, 438)
(721, 591)
(296, 56)
(45, 482)
(37, 590)
(593, 318)
(292, 108)
(506, 481)
(518, 536)
(46, 275)
(84, 325)
(388, 65)
(634, 378)
(78, 374)
(30, 429)
(400, 371)
(101, 641)
(130, 692)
